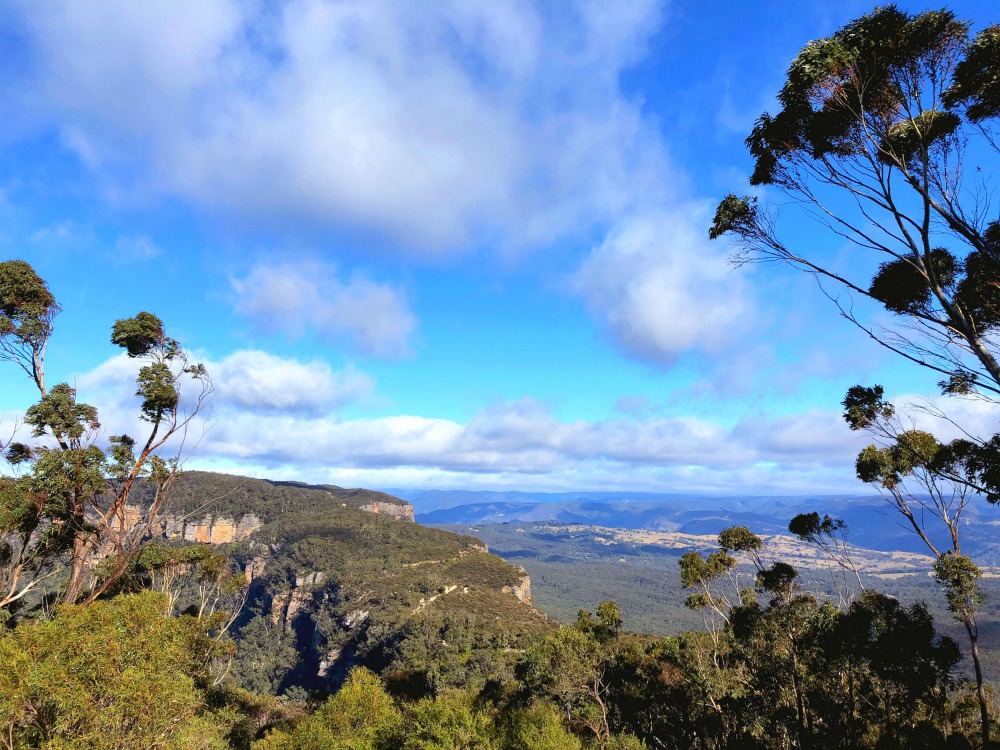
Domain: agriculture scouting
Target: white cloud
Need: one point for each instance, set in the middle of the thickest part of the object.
(373, 317)
(505, 117)
(248, 382)
(466, 125)
(660, 288)
(279, 418)
(523, 444)
(260, 382)
(947, 417)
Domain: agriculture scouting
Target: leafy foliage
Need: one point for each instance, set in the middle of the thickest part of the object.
(27, 309)
(69, 508)
(116, 674)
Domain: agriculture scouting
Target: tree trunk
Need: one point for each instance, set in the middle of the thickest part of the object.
(800, 704)
(984, 712)
(78, 562)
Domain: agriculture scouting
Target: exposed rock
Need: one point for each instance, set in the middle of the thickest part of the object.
(523, 588)
(328, 660)
(311, 579)
(279, 604)
(286, 605)
(355, 618)
(401, 512)
(210, 529)
(255, 569)
(224, 529)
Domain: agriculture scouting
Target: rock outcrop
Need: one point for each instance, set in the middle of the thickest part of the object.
(224, 529)
(523, 588)
(218, 508)
(210, 529)
(402, 512)
(287, 604)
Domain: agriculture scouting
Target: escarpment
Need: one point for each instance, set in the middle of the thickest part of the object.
(522, 589)
(331, 591)
(339, 578)
(210, 529)
(400, 620)
(222, 509)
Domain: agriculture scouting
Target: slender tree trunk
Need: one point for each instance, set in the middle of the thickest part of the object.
(78, 562)
(800, 705)
(984, 712)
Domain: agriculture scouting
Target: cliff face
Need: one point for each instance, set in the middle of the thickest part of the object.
(522, 589)
(402, 512)
(336, 625)
(374, 502)
(231, 499)
(333, 590)
(343, 577)
(241, 505)
(224, 530)
(210, 529)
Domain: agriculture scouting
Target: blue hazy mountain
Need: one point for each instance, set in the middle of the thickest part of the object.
(871, 521)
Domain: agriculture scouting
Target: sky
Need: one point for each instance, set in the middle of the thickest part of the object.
(434, 244)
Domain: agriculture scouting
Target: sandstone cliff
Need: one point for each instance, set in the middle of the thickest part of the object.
(210, 529)
(522, 589)
(221, 508)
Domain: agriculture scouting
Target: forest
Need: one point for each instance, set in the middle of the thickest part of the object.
(332, 621)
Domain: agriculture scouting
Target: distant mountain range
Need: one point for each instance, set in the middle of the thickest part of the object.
(872, 523)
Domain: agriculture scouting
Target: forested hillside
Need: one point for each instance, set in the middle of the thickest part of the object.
(231, 496)
(335, 587)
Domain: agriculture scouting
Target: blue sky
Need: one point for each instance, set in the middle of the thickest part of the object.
(449, 244)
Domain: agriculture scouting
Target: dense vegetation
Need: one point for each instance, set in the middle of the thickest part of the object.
(345, 588)
(572, 567)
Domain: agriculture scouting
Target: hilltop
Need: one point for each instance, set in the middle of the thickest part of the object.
(204, 492)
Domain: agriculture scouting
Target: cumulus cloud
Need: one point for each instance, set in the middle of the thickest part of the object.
(947, 417)
(660, 288)
(466, 125)
(282, 418)
(503, 116)
(256, 381)
(277, 417)
(802, 437)
(524, 442)
(373, 317)
(250, 382)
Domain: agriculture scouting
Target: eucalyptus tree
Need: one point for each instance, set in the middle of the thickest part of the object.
(75, 501)
(29, 541)
(886, 135)
(573, 667)
(27, 309)
(923, 479)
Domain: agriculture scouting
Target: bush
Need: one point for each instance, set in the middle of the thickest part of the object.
(116, 674)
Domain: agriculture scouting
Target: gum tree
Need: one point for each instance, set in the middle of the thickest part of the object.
(76, 502)
(926, 480)
(886, 136)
